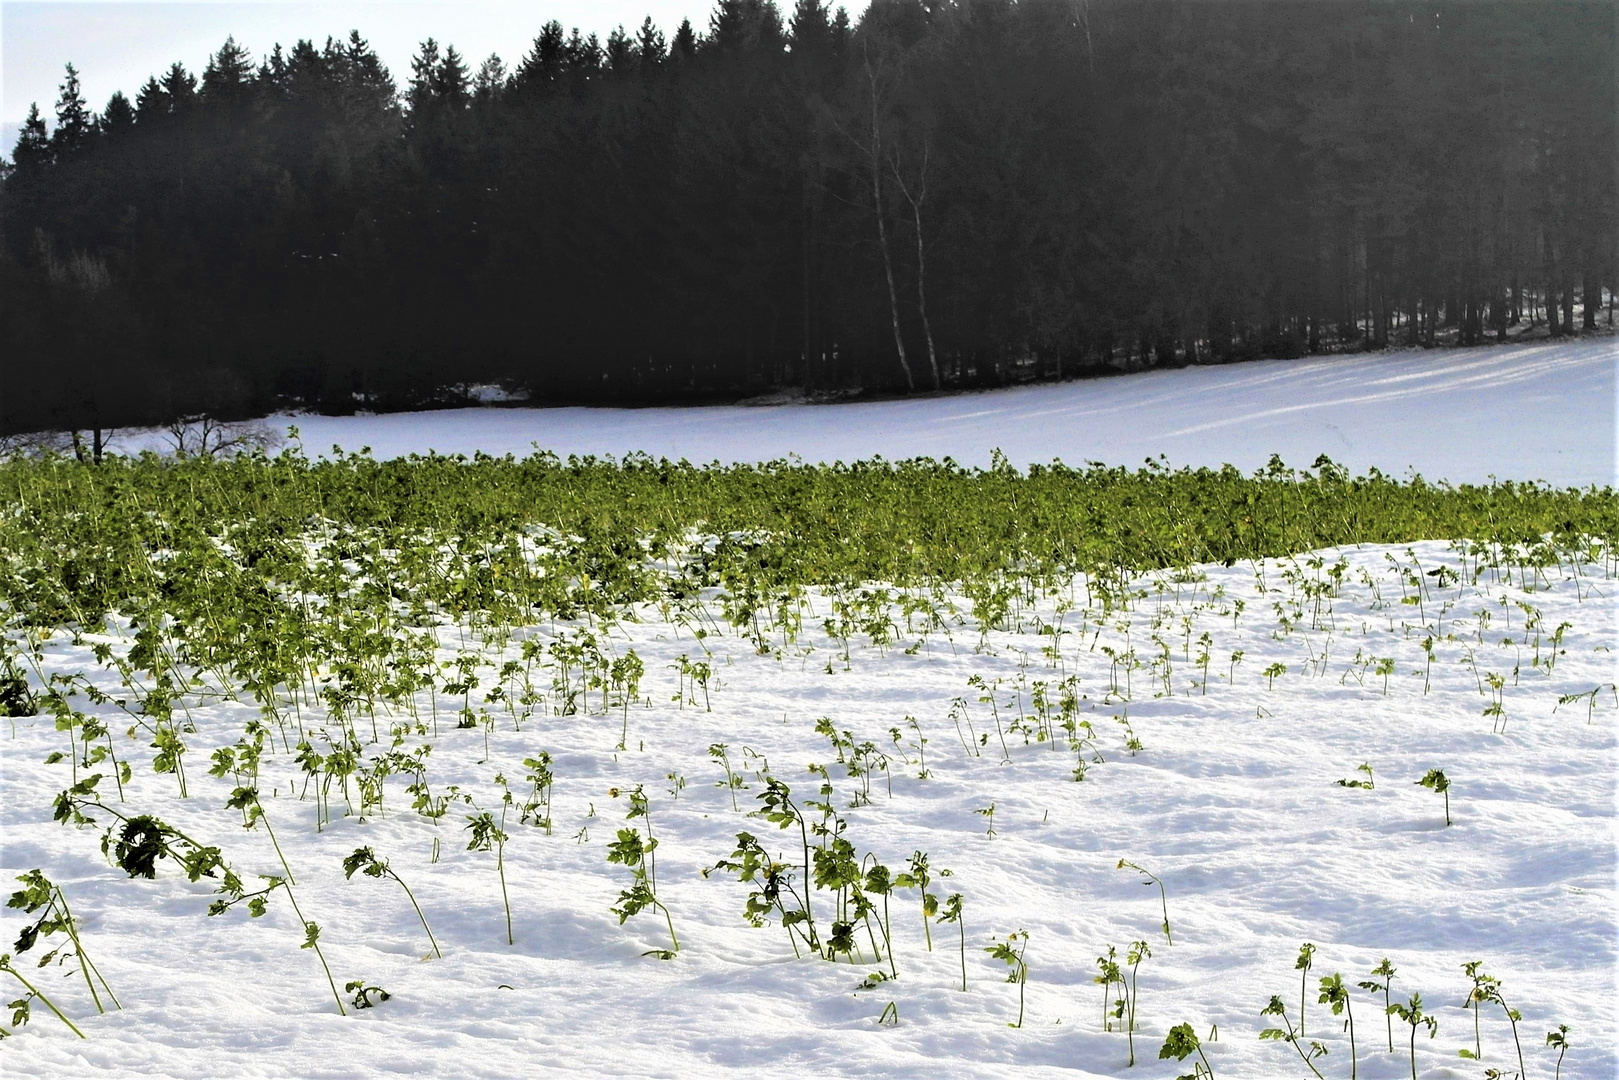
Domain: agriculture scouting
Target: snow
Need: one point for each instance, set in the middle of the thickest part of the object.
(1532, 411)
(1232, 802)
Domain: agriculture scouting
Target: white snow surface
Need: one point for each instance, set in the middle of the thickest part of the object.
(1520, 412)
(1232, 801)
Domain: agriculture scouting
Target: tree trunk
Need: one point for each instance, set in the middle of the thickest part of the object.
(875, 149)
(916, 202)
(1593, 300)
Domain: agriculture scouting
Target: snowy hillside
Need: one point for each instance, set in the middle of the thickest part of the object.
(1534, 412)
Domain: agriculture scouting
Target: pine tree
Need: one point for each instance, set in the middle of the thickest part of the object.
(75, 127)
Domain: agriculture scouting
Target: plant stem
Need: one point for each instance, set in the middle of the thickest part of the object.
(32, 989)
(500, 868)
(409, 896)
(86, 967)
(315, 944)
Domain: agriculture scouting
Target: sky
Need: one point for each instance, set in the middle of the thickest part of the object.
(116, 44)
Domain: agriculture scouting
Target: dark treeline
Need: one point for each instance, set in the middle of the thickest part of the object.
(944, 194)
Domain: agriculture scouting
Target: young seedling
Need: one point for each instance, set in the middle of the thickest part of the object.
(879, 881)
(1435, 780)
(40, 894)
(1138, 952)
(1558, 1040)
(1286, 1034)
(752, 864)
(246, 799)
(538, 807)
(918, 878)
(1163, 899)
(732, 782)
(1335, 994)
(630, 851)
(1385, 972)
(1477, 996)
(988, 814)
(952, 913)
(1368, 784)
(1411, 1012)
(1108, 973)
(366, 861)
(1492, 992)
(1302, 966)
(488, 836)
(363, 993)
(1010, 952)
(1272, 673)
(1385, 668)
(1183, 1043)
(20, 1007)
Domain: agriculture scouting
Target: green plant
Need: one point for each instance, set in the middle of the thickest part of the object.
(1385, 668)
(1302, 966)
(1492, 992)
(1108, 973)
(1336, 995)
(1411, 1012)
(1010, 952)
(1435, 780)
(952, 914)
(774, 889)
(1368, 784)
(1182, 1043)
(538, 805)
(367, 861)
(488, 836)
(732, 782)
(1163, 899)
(630, 851)
(624, 675)
(889, 1016)
(1558, 1040)
(363, 994)
(918, 877)
(1139, 951)
(1384, 971)
(988, 814)
(1476, 996)
(41, 894)
(1272, 673)
(1286, 1034)
(20, 1007)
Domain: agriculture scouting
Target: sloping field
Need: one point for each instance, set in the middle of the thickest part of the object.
(1534, 412)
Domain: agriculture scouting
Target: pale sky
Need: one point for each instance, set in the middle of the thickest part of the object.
(116, 44)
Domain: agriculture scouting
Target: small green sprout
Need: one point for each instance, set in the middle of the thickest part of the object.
(1367, 784)
(1435, 780)
(1163, 899)
(1411, 1012)
(1010, 952)
(1183, 1043)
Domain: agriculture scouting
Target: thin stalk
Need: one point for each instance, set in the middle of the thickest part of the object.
(5, 965)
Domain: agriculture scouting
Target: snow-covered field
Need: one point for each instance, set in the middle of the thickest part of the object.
(1230, 799)
(1538, 411)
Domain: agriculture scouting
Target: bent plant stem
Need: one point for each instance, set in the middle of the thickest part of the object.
(5, 965)
(364, 859)
(1288, 1035)
(1163, 899)
(87, 967)
(952, 913)
(312, 941)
